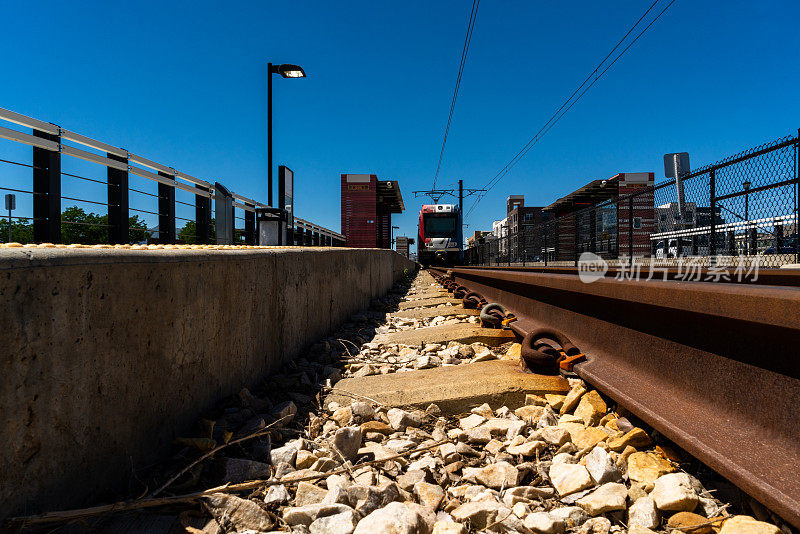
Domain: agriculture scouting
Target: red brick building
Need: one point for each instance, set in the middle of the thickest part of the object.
(367, 207)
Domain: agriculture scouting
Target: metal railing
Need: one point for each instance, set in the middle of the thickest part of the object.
(745, 206)
(128, 196)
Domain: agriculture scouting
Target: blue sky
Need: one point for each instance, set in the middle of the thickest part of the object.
(183, 83)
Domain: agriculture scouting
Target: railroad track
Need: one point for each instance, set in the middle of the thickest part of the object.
(711, 366)
(343, 439)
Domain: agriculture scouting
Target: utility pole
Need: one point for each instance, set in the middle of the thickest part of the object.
(461, 221)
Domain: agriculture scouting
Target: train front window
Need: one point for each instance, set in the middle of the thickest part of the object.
(440, 226)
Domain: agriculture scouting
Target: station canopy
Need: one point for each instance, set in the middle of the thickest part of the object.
(389, 196)
(590, 194)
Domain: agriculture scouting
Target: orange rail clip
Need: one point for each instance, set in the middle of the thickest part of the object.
(567, 362)
(510, 318)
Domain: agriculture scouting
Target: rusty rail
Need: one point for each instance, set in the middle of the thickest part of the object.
(714, 367)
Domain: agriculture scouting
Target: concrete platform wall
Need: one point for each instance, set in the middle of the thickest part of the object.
(108, 354)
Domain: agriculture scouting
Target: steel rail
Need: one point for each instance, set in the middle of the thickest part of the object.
(712, 366)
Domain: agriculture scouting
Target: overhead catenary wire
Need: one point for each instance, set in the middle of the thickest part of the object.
(594, 76)
(464, 51)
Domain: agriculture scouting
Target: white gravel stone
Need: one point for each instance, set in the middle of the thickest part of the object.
(343, 523)
(448, 527)
(285, 454)
(569, 478)
(394, 518)
(607, 498)
(347, 441)
(643, 513)
(308, 493)
(495, 476)
(554, 435)
(674, 493)
(401, 419)
(277, 495)
(471, 421)
(305, 515)
(544, 523)
(602, 467)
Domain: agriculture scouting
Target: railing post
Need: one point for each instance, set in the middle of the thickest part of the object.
(250, 224)
(797, 198)
(166, 211)
(46, 191)
(712, 202)
(118, 206)
(202, 215)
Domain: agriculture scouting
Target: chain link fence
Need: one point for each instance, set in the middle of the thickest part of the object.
(745, 206)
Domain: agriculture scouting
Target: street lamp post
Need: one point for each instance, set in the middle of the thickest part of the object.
(746, 185)
(286, 71)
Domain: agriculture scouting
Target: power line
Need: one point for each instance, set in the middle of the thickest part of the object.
(470, 26)
(572, 100)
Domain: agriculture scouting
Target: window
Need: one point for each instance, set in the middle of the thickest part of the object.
(637, 223)
(689, 216)
(440, 226)
(663, 216)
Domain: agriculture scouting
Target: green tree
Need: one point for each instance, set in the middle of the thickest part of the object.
(188, 234)
(21, 231)
(77, 226)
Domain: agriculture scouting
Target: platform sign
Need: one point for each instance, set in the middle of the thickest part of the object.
(286, 197)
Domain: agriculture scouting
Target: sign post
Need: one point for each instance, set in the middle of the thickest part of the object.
(11, 204)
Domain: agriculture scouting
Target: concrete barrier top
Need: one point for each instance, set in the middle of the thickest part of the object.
(33, 256)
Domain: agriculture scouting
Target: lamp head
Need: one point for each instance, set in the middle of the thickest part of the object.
(290, 71)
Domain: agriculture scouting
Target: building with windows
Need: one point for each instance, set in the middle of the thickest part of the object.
(500, 233)
(521, 221)
(367, 207)
(403, 245)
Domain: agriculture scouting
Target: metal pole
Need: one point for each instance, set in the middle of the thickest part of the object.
(269, 134)
(9, 224)
(747, 219)
(797, 199)
(712, 202)
(461, 220)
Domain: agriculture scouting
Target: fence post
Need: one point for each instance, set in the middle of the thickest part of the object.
(46, 191)
(250, 224)
(118, 204)
(712, 202)
(630, 230)
(202, 215)
(797, 199)
(166, 210)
